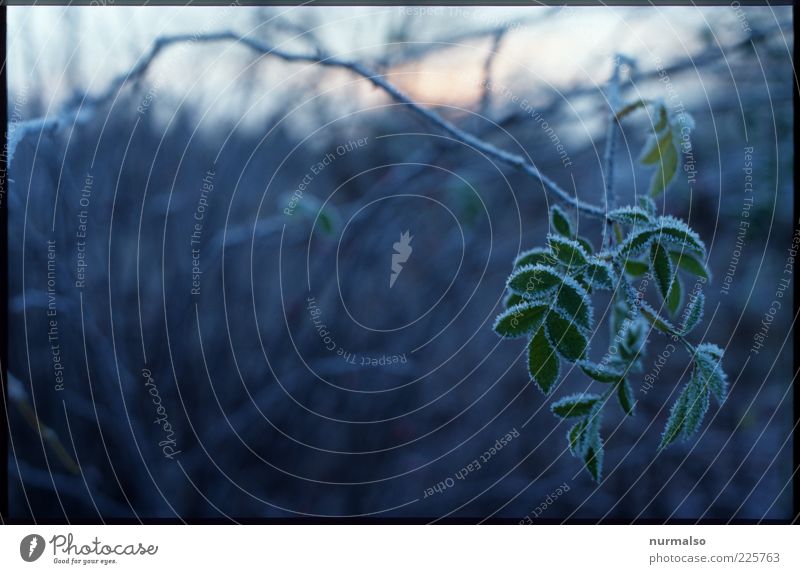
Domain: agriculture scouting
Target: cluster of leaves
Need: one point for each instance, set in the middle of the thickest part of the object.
(549, 302)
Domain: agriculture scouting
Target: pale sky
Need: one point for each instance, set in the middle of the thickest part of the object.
(54, 50)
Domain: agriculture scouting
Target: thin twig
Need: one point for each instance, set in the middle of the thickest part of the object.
(488, 64)
(415, 51)
(613, 98)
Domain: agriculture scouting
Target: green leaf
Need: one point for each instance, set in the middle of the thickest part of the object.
(625, 396)
(630, 215)
(663, 118)
(636, 268)
(560, 222)
(708, 360)
(574, 405)
(586, 244)
(532, 280)
(662, 148)
(520, 319)
(512, 299)
(636, 242)
(675, 295)
(535, 256)
(328, 221)
(594, 462)
(588, 434)
(690, 264)
(582, 281)
(600, 274)
(567, 251)
(665, 172)
(662, 268)
(324, 216)
(656, 148)
(696, 406)
(675, 422)
(694, 312)
(676, 233)
(543, 363)
(574, 304)
(600, 373)
(565, 335)
(574, 435)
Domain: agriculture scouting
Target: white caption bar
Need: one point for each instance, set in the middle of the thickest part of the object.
(400, 549)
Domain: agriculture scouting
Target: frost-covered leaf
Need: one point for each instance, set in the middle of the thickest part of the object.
(567, 251)
(600, 274)
(636, 242)
(520, 319)
(662, 148)
(587, 433)
(573, 302)
(696, 406)
(600, 373)
(630, 215)
(535, 256)
(569, 340)
(543, 362)
(689, 410)
(586, 244)
(675, 422)
(584, 282)
(594, 462)
(662, 268)
(625, 396)
(712, 350)
(560, 222)
(512, 299)
(675, 232)
(694, 312)
(636, 268)
(708, 360)
(675, 295)
(574, 405)
(532, 280)
(574, 436)
(690, 263)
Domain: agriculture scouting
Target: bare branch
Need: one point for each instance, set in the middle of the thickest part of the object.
(488, 64)
(511, 159)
